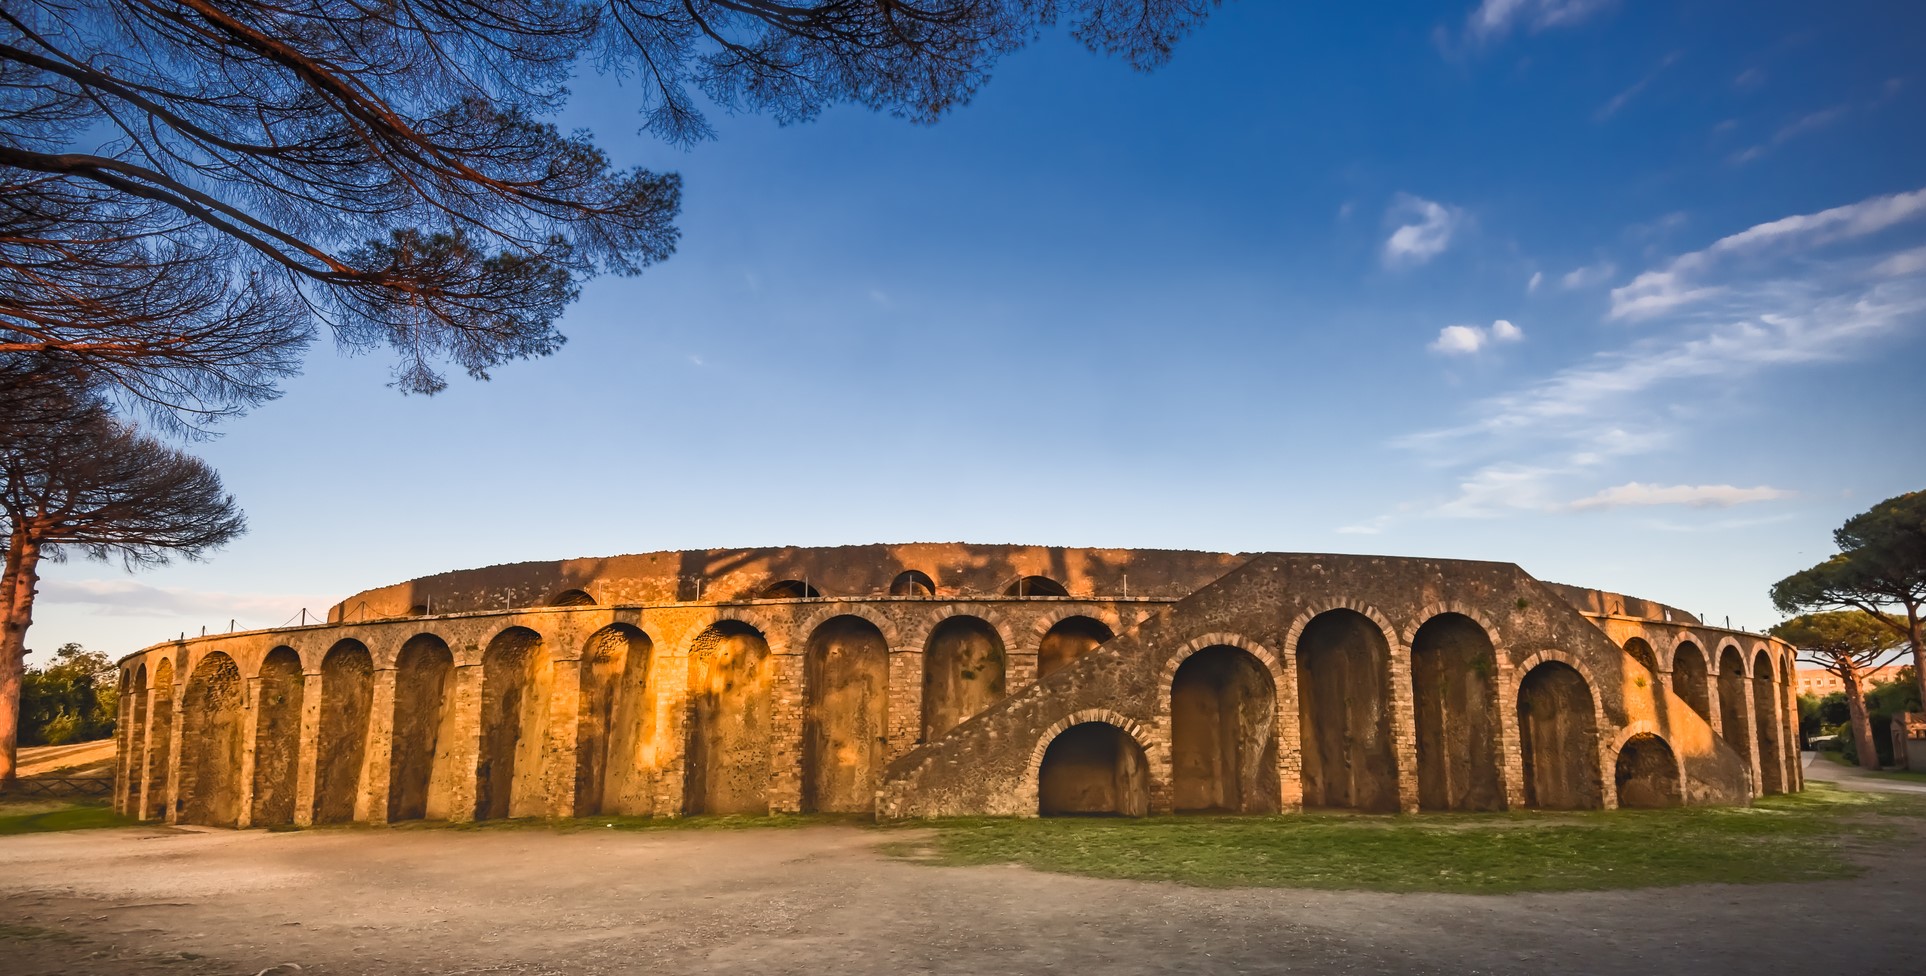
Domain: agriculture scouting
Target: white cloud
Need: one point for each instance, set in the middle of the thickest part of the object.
(1462, 340)
(1902, 264)
(131, 598)
(1424, 230)
(1495, 18)
(1749, 79)
(1632, 91)
(1697, 496)
(1677, 284)
(1536, 278)
(1589, 275)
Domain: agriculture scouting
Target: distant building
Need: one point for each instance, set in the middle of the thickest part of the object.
(1815, 680)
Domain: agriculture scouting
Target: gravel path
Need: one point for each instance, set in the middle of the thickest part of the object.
(820, 900)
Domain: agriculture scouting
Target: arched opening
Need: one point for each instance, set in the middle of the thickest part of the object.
(1772, 777)
(1069, 639)
(1647, 774)
(1733, 727)
(213, 714)
(1223, 734)
(277, 738)
(1093, 769)
(789, 590)
(1454, 686)
(730, 674)
(1035, 586)
(845, 716)
(1343, 668)
(1689, 679)
(136, 741)
(516, 683)
(912, 582)
(572, 598)
(421, 772)
(1641, 651)
(963, 667)
(341, 746)
(615, 724)
(160, 748)
(1558, 739)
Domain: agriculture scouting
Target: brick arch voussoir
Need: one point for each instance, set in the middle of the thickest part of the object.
(1316, 610)
(1138, 732)
(1048, 617)
(917, 633)
(805, 630)
(774, 633)
(1429, 611)
(1627, 734)
(1272, 661)
(1549, 655)
(1717, 666)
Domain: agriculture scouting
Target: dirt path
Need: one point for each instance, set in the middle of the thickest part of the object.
(39, 760)
(819, 899)
(1824, 770)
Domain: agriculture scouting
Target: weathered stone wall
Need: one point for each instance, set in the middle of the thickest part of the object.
(919, 705)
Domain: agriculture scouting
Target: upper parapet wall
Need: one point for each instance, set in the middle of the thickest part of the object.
(723, 575)
(1607, 603)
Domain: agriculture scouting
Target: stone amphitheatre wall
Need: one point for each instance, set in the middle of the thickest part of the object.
(1220, 682)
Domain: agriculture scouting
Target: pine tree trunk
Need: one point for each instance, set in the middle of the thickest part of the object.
(17, 584)
(1919, 651)
(1862, 735)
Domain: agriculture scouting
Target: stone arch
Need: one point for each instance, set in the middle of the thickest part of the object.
(845, 715)
(421, 762)
(731, 697)
(213, 728)
(1641, 651)
(1454, 685)
(277, 738)
(1343, 663)
(570, 598)
(915, 631)
(789, 589)
(517, 684)
(1429, 611)
(912, 582)
(341, 746)
(964, 664)
(1691, 677)
(774, 628)
(1222, 703)
(615, 722)
(1733, 727)
(1765, 710)
(1558, 737)
(160, 755)
(1029, 799)
(823, 615)
(1093, 769)
(1029, 586)
(1070, 637)
(1646, 771)
(136, 740)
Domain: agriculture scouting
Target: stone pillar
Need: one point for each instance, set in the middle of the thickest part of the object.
(465, 746)
(1511, 750)
(1290, 739)
(564, 727)
(308, 754)
(250, 731)
(142, 802)
(672, 730)
(1712, 712)
(1019, 669)
(1751, 750)
(371, 804)
(786, 732)
(1404, 726)
(170, 812)
(905, 701)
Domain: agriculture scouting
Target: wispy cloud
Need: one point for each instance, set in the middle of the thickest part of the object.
(1623, 98)
(1424, 229)
(1463, 340)
(1589, 275)
(132, 598)
(1495, 18)
(1803, 125)
(1697, 496)
(1537, 278)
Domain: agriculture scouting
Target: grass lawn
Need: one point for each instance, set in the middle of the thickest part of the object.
(35, 817)
(1801, 837)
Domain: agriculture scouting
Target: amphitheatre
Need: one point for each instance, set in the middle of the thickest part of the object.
(931, 680)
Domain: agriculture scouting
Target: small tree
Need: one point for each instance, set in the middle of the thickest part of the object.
(1881, 566)
(75, 479)
(73, 698)
(1846, 643)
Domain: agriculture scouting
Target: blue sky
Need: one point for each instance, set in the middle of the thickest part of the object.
(1631, 294)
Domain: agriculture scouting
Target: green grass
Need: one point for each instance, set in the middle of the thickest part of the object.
(37, 818)
(1803, 837)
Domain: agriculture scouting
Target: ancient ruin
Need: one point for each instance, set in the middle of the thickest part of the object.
(947, 679)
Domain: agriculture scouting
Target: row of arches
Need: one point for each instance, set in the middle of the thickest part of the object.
(1749, 707)
(523, 742)
(1224, 737)
(915, 583)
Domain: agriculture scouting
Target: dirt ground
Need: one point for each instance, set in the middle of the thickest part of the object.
(820, 899)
